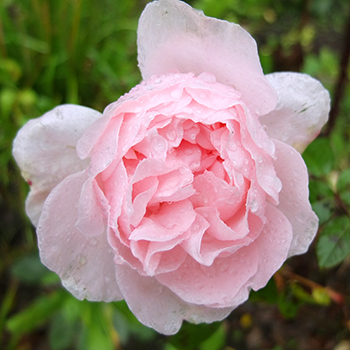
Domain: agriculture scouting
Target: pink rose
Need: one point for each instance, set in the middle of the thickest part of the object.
(187, 192)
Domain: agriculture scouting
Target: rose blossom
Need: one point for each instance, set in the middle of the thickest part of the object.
(187, 192)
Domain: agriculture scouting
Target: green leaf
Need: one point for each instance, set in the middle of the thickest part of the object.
(288, 307)
(191, 336)
(29, 268)
(343, 182)
(268, 294)
(128, 325)
(322, 210)
(321, 296)
(36, 314)
(319, 190)
(98, 332)
(61, 332)
(319, 157)
(299, 292)
(216, 341)
(334, 244)
(343, 186)
(122, 326)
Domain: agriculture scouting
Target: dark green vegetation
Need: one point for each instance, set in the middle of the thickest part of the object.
(54, 52)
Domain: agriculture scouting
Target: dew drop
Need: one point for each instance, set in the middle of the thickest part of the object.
(176, 94)
(149, 87)
(158, 146)
(93, 241)
(224, 268)
(82, 260)
(171, 225)
(188, 152)
(195, 227)
(301, 217)
(209, 271)
(171, 135)
(254, 206)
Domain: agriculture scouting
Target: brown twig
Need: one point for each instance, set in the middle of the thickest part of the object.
(341, 81)
(334, 295)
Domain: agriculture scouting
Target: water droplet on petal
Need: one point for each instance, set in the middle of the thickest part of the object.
(171, 135)
(195, 227)
(93, 241)
(82, 260)
(254, 206)
(224, 268)
(176, 94)
(171, 225)
(301, 217)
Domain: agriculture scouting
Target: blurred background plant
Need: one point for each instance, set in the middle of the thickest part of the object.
(84, 51)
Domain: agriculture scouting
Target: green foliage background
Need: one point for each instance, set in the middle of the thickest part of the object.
(84, 52)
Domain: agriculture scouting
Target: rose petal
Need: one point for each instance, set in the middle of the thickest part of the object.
(45, 150)
(174, 37)
(159, 257)
(214, 193)
(272, 244)
(69, 253)
(302, 109)
(156, 306)
(172, 220)
(218, 285)
(294, 197)
(93, 209)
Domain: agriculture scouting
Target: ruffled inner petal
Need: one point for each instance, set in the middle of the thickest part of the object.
(172, 220)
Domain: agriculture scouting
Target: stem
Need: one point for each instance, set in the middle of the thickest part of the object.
(341, 81)
(334, 295)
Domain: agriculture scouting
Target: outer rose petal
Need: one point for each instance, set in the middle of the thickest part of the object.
(45, 151)
(156, 306)
(273, 244)
(71, 254)
(294, 197)
(302, 109)
(172, 36)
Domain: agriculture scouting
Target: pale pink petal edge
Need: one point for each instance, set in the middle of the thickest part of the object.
(84, 264)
